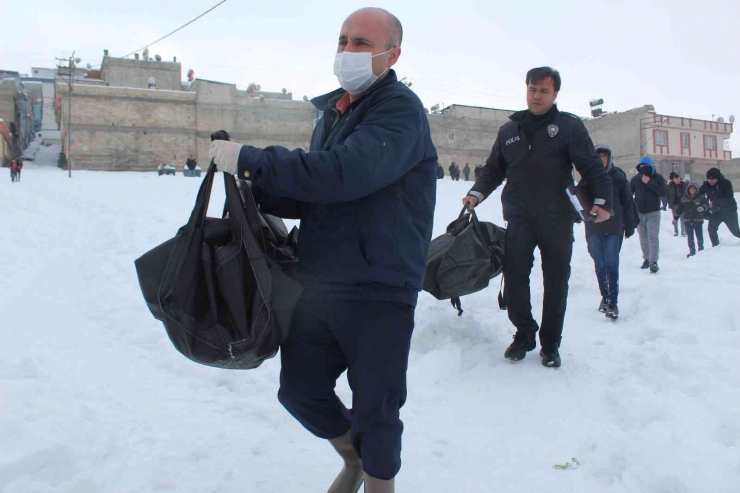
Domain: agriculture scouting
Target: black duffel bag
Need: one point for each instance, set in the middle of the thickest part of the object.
(223, 301)
(464, 259)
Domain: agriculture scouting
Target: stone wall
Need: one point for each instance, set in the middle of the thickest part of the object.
(123, 72)
(465, 134)
(621, 132)
(122, 129)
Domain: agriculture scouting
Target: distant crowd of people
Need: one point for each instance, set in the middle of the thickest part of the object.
(455, 172)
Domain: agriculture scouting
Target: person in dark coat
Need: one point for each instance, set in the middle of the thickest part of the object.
(722, 204)
(477, 170)
(466, 172)
(675, 191)
(452, 171)
(440, 172)
(191, 163)
(605, 239)
(535, 153)
(648, 186)
(20, 168)
(365, 193)
(693, 208)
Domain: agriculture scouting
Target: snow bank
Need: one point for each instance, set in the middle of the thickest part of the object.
(95, 399)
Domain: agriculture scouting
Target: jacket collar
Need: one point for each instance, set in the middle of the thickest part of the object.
(524, 115)
(329, 100)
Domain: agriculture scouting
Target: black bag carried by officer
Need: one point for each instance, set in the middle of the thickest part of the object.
(464, 259)
(222, 300)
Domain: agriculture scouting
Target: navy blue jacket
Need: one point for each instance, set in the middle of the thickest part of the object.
(365, 194)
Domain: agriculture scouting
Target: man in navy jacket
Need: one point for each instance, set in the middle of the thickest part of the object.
(365, 194)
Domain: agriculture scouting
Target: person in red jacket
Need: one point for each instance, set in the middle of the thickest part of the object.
(13, 170)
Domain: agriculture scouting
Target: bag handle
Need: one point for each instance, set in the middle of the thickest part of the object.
(201, 202)
(243, 212)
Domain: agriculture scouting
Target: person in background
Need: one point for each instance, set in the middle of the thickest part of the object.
(722, 204)
(693, 208)
(440, 172)
(20, 168)
(451, 169)
(477, 170)
(13, 170)
(675, 191)
(466, 172)
(191, 163)
(605, 239)
(648, 186)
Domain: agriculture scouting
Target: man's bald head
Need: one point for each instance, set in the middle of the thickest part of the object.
(392, 27)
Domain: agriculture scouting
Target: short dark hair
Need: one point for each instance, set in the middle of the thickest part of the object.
(541, 73)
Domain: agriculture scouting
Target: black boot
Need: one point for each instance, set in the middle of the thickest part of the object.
(654, 268)
(519, 348)
(550, 357)
(602, 305)
(612, 312)
(645, 264)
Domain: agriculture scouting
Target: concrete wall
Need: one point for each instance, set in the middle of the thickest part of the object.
(249, 120)
(621, 132)
(465, 134)
(117, 129)
(8, 93)
(122, 72)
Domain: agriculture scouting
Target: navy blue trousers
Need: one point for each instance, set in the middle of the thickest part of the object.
(369, 339)
(695, 228)
(604, 249)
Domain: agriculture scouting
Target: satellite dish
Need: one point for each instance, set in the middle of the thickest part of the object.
(732, 119)
(78, 60)
(720, 120)
(89, 66)
(305, 98)
(158, 58)
(285, 91)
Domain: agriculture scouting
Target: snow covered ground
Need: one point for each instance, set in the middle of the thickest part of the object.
(93, 397)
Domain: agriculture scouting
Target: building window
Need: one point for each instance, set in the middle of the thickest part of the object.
(710, 142)
(727, 145)
(661, 138)
(686, 141)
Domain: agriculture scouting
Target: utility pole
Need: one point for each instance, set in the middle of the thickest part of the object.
(71, 65)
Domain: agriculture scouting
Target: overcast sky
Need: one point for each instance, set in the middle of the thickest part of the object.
(681, 56)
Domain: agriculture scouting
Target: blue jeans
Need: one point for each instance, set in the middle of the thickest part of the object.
(604, 249)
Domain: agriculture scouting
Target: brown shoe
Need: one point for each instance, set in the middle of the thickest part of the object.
(375, 485)
(351, 476)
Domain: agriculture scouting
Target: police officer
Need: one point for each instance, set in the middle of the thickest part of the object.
(535, 152)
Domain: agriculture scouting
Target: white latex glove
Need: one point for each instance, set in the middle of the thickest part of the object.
(226, 155)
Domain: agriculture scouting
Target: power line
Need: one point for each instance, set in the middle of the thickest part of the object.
(179, 28)
(176, 30)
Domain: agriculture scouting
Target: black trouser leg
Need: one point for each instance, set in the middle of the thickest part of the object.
(730, 217)
(521, 240)
(690, 228)
(555, 240)
(714, 223)
(699, 230)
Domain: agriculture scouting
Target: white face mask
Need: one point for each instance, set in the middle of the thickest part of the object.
(355, 70)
